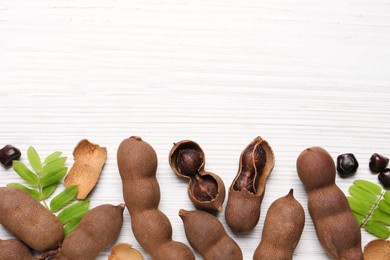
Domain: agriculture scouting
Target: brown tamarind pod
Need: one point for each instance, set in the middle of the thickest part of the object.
(247, 190)
(137, 164)
(282, 229)
(98, 229)
(207, 235)
(335, 224)
(14, 249)
(205, 189)
(29, 220)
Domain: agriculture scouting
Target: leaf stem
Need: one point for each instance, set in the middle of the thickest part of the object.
(40, 190)
(372, 209)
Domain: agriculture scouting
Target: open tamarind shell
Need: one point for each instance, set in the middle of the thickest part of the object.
(205, 189)
(247, 190)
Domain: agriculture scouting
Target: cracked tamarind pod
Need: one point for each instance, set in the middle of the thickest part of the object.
(334, 222)
(247, 190)
(205, 189)
(137, 164)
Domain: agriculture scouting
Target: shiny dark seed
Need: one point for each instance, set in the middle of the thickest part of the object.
(9, 153)
(384, 178)
(378, 163)
(189, 161)
(347, 164)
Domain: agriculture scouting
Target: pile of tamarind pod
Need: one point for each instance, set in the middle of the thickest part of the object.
(38, 229)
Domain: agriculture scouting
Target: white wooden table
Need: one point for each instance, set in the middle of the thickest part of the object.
(298, 73)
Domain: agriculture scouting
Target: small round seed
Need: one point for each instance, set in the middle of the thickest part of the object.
(384, 178)
(9, 153)
(347, 165)
(378, 163)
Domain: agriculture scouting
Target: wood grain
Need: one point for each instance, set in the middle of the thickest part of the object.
(298, 73)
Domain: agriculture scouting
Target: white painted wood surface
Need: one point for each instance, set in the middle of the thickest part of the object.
(298, 73)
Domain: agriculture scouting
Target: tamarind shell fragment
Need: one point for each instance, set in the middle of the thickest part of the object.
(247, 190)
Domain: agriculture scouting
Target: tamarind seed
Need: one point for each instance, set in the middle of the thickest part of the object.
(253, 161)
(378, 163)
(384, 178)
(189, 161)
(9, 153)
(347, 165)
(205, 189)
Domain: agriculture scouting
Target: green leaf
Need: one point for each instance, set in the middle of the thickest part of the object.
(387, 196)
(34, 159)
(384, 206)
(377, 229)
(52, 157)
(72, 225)
(379, 215)
(74, 211)
(25, 173)
(358, 206)
(358, 217)
(48, 190)
(53, 177)
(54, 165)
(33, 193)
(369, 186)
(66, 196)
(362, 194)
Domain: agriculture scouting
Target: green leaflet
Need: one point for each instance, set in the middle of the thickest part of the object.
(387, 196)
(381, 216)
(32, 192)
(54, 165)
(358, 206)
(362, 194)
(74, 211)
(25, 173)
(378, 229)
(72, 225)
(34, 159)
(52, 157)
(369, 186)
(53, 177)
(66, 196)
(384, 206)
(359, 218)
(49, 190)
